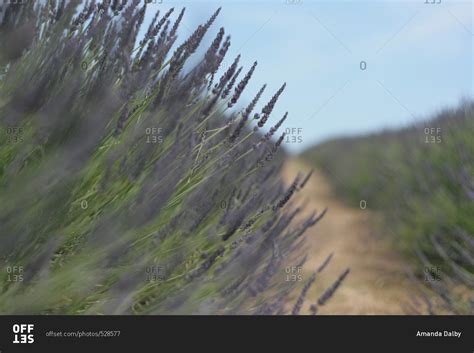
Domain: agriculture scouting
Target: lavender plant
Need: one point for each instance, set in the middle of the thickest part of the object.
(127, 184)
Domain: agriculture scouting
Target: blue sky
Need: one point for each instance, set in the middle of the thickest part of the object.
(417, 58)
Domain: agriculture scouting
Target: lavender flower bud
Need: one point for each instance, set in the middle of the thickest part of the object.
(241, 86)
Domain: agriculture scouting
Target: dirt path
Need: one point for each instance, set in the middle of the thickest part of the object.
(377, 283)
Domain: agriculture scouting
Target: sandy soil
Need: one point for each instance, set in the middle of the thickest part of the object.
(377, 283)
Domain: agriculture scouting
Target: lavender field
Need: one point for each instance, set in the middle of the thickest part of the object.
(155, 162)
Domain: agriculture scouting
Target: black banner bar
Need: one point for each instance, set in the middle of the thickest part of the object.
(318, 333)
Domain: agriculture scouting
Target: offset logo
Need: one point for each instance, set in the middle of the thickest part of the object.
(23, 333)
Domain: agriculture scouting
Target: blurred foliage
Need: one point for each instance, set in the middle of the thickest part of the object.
(421, 178)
